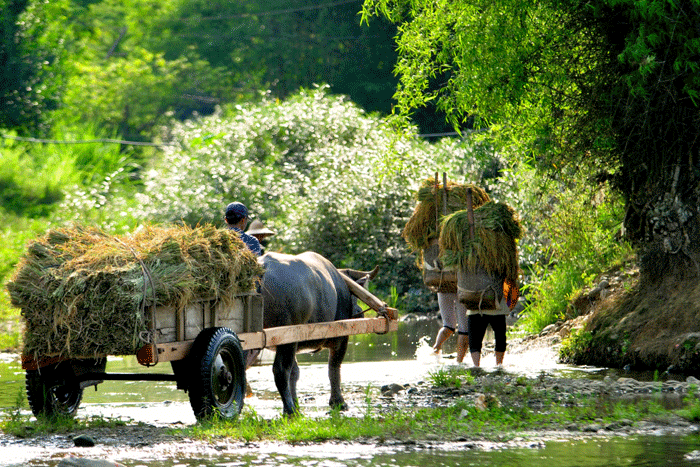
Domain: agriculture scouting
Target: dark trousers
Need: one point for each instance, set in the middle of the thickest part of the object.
(477, 324)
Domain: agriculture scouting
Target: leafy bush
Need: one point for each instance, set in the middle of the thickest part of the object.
(34, 177)
(573, 237)
(575, 345)
(315, 168)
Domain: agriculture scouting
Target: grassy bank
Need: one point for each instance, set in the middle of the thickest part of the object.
(502, 412)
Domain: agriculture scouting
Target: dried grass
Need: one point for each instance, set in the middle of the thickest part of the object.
(496, 229)
(424, 224)
(83, 293)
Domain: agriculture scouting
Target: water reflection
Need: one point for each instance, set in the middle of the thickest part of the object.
(380, 359)
(617, 452)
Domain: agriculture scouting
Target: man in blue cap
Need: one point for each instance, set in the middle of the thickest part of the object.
(236, 217)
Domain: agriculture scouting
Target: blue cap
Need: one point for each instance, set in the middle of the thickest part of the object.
(236, 209)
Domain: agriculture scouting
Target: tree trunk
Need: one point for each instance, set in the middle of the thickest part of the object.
(666, 230)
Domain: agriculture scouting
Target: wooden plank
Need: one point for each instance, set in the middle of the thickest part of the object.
(252, 340)
(210, 313)
(272, 337)
(171, 351)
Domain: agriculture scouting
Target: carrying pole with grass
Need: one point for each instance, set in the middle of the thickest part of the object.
(422, 231)
(482, 244)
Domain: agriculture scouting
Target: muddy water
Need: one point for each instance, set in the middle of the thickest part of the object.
(372, 360)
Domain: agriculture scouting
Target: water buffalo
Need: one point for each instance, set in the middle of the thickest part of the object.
(300, 289)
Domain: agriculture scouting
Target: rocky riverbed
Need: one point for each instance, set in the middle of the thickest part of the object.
(480, 388)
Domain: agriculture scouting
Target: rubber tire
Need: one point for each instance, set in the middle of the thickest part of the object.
(218, 386)
(53, 391)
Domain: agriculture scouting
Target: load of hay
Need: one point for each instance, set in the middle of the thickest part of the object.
(493, 247)
(84, 293)
(423, 226)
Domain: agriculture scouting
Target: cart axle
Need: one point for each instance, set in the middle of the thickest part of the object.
(127, 376)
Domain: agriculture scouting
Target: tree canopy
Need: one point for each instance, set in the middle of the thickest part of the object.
(610, 87)
(32, 57)
(127, 64)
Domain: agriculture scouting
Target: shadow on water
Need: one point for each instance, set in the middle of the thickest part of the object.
(371, 360)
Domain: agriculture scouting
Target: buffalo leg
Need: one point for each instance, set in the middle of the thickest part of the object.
(293, 378)
(335, 358)
(282, 370)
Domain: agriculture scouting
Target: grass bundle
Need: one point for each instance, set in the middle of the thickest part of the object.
(423, 226)
(84, 293)
(496, 229)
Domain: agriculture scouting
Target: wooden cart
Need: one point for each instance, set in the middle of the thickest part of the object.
(206, 345)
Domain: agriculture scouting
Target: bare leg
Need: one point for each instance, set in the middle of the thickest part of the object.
(476, 358)
(442, 335)
(462, 346)
(499, 358)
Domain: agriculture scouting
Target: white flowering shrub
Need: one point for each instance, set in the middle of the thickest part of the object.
(315, 168)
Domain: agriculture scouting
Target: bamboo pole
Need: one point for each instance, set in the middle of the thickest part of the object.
(444, 193)
(470, 213)
(437, 203)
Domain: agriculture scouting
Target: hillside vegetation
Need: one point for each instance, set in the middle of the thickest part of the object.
(328, 177)
(123, 114)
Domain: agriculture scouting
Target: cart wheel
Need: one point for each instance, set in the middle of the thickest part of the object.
(218, 368)
(53, 391)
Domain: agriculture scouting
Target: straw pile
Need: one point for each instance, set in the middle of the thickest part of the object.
(496, 228)
(84, 293)
(423, 226)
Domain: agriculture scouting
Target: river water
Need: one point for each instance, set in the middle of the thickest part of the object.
(372, 361)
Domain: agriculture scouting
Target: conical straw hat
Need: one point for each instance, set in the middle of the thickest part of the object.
(257, 228)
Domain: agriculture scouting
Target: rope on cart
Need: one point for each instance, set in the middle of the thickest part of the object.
(148, 337)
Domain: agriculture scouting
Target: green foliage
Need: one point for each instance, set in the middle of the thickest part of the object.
(691, 411)
(32, 68)
(134, 94)
(126, 64)
(34, 178)
(580, 232)
(610, 87)
(489, 60)
(302, 44)
(15, 233)
(575, 345)
(501, 411)
(550, 295)
(24, 187)
(315, 168)
(543, 74)
(16, 423)
(453, 376)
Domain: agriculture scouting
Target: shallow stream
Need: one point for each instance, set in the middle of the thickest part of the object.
(403, 357)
